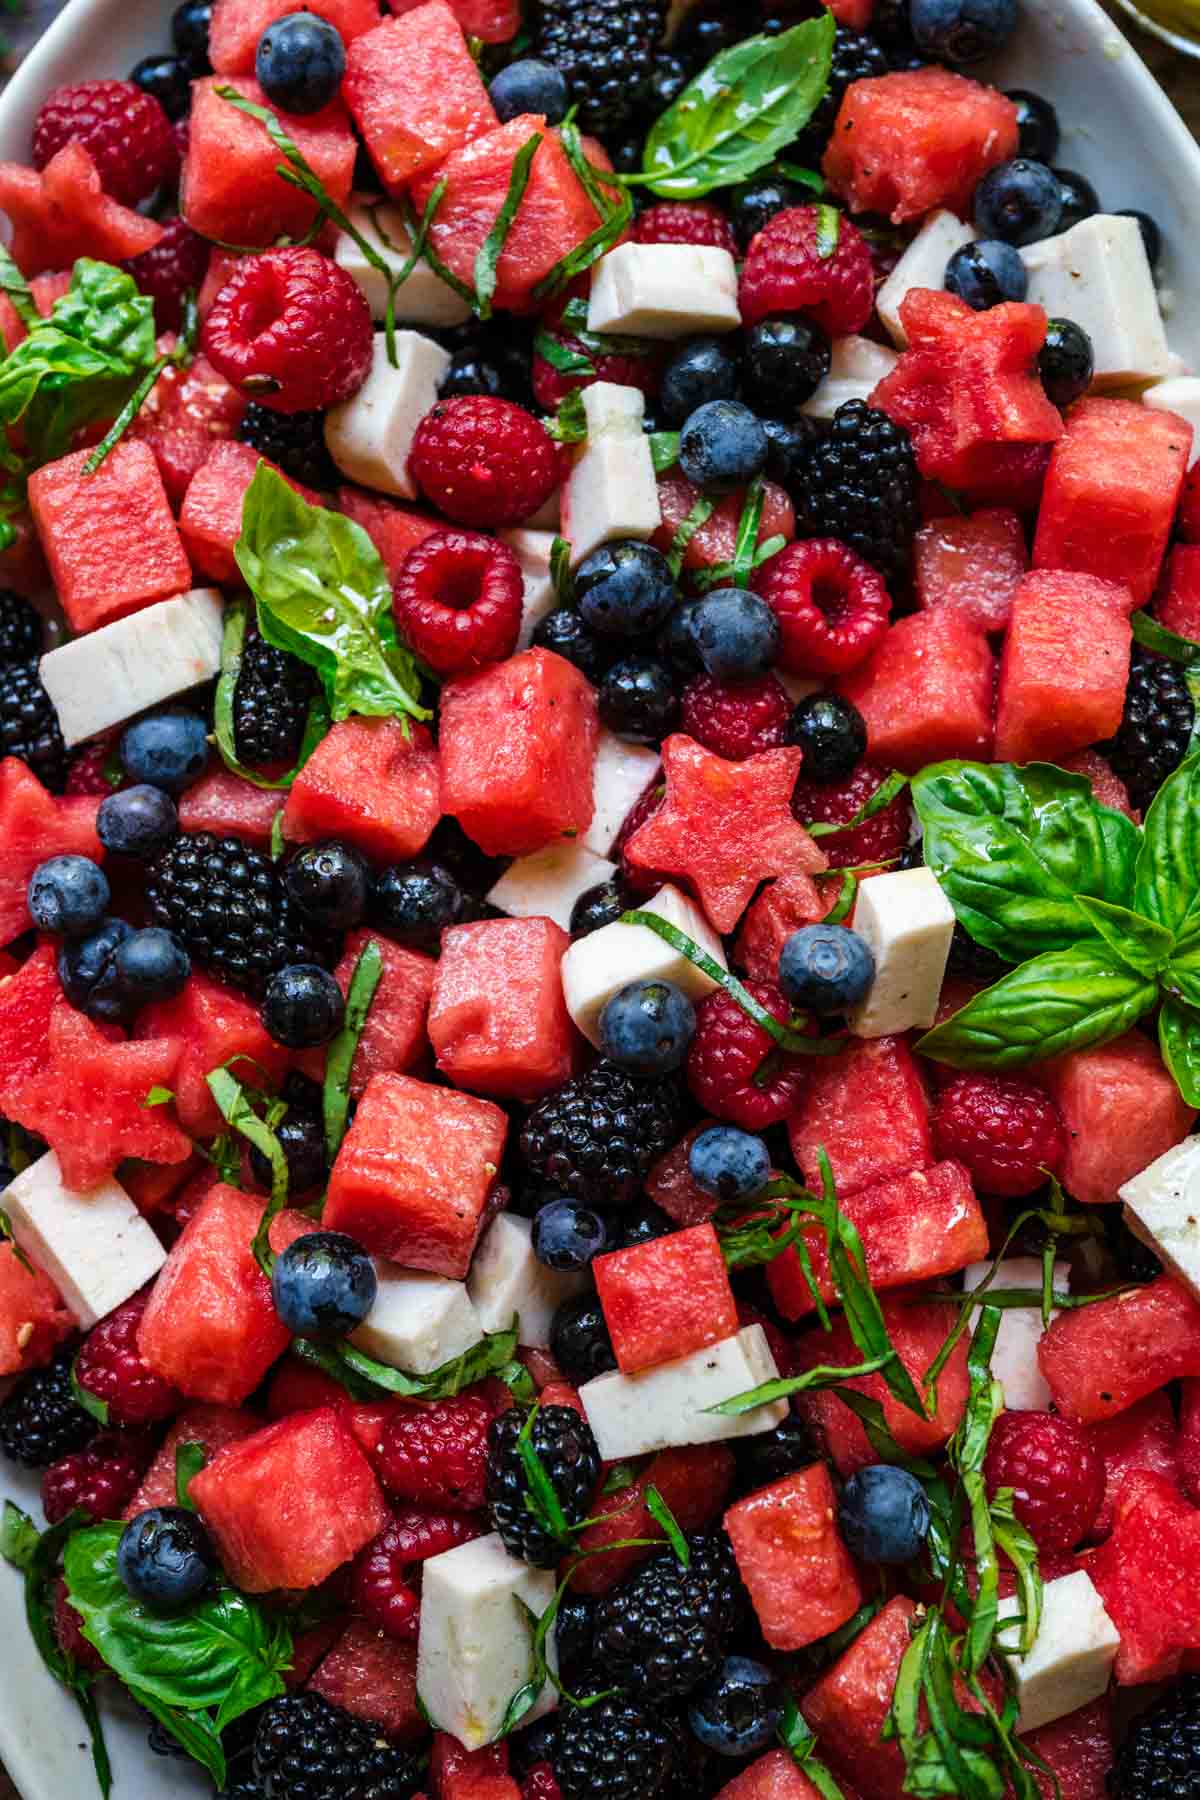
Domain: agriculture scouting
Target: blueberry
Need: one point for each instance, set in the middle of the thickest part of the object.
(565, 632)
(1037, 125)
(301, 1136)
(832, 733)
(624, 589)
(736, 634)
(566, 1235)
(166, 1558)
(884, 1514)
(702, 371)
(722, 447)
(166, 79)
(68, 894)
(190, 25)
(579, 1340)
(637, 700)
(138, 821)
(644, 1223)
(302, 1006)
(167, 749)
(83, 965)
(471, 372)
(737, 1710)
(755, 203)
(323, 1285)
(147, 966)
(530, 86)
(1150, 230)
(1018, 201)
(784, 361)
(300, 62)
(331, 883)
(647, 1026)
(825, 968)
(729, 1163)
(1066, 362)
(414, 902)
(596, 907)
(986, 273)
(789, 441)
(961, 31)
(677, 639)
(1079, 198)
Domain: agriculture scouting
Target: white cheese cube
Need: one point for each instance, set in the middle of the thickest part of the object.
(1014, 1360)
(907, 923)
(424, 298)
(596, 966)
(612, 491)
(94, 1245)
(923, 265)
(532, 550)
(475, 1644)
(418, 1321)
(370, 435)
(856, 368)
(621, 776)
(507, 1278)
(1072, 1655)
(1098, 274)
(664, 291)
(1180, 394)
(1162, 1206)
(100, 679)
(631, 1415)
(547, 884)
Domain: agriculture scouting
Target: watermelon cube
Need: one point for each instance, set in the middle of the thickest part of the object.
(1103, 1358)
(666, 1298)
(518, 745)
(1145, 1437)
(460, 1774)
(153, 1186)
(228, 806)
(210, 1326)
(214, 1025)
(33, 1319)
(1145, 1575)
(392, 528)
(782, 907)
(694, 1481)
(498, 1021)
(394, 1039)
(109, 538)
(374, 1678)
(1122, 1111)
(775, 1776)
(904, 144)
(848, 1705)
(63, 213)
(1064, 667)
(1178, 603)
(212, 1427)
(1078, 1750)
(868, 1109)
(187, 411)
(374, 782)
(210, 519)
(926, 691)
(413, 1174)
(1111, 493)
(790, 1555)
(716, 540)
(333, 1509)
(416, 93)
(34, 826)
(973, 565)
(230, 189)
(1107, 786)
(237, 26)
(491, 21)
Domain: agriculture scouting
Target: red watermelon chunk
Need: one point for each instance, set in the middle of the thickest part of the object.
(210, 520)
(973, 565)
(669, 1183)
(491, 21)
(790, 1555)
(1078, 1749)
(716, 540)
(1111, 493)
(374, 782)
(33, 1319)
(393, 529)
(213, 1024)
(1104, 1358)
(413, 1174)
(153, 1187)
(1122, 1111)
(416, 94)
(498, 1021)
(459, 1774)
(665, 1299)
(187, 411)
(63, 213)
(109, 538)
(1178, 603)
(868, 1109)
(374, 1678)
(1146, 1576)
(926, 692)
(695, 1483)
(213, 1427)
(848, 1705)
(228, 806)
(27, 1001)
(1107, 786)
(395, 1039)
(1064, 667)
(230, 189)
(782, 907)
(775, 1776)
(1144, 1437)
(237, 26)
(1188, 1443)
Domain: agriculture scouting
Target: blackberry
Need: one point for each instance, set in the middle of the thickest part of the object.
(770, 1455)
(860, 485)
(20, 628)
(566, 1449)
(595, 1138)
(270, 703)
(41, 1422)
(1156, 726)
(228, 906)
(614, 1750)
(1160, 1758)
(29, 724)
(294, 441)
(666, 1627)
(608, 52)
(307, 1749)
(975, 962)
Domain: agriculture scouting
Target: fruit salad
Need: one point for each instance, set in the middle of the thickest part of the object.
(600, 989)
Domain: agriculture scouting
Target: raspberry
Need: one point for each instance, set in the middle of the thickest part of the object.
(437, 1453)
(551, 385)
(786, 272)
(68, 1629)
(878, 838)
(1057, 1477)
(109, 1366)
(86, 774)
(484, 461)
(457, 598)
(1189, 508)
(832, 607)
(102, 1479)
(421, 1534)
(727, 1053)
(1006, 1132)
(177, 262)
(290, 328)
(381, 1593)
(686, 222)
(125, 131)
(735, 721)
(541, 1784)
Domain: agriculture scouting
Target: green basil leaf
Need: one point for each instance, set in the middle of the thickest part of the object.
(194, 1732)
(487, 260)
(843, 906)
(1139, 942)
(664, 450)
(748, 104)
(1166, 887)
(1022, 1552)
(796, 1736)
(1153, 636)
(1179, 1042)
(784, 1386)
(180, 356)
(18, 1538)
(237, 1111)
(567, 361)
(569, 424)
(6, 1232)
(189, 1460)
(829, 231)
(699, 516)
(747, 534)
(614, 209)
(339, 1060)
(658, 1509)
(365, 1378)
(92, 1404)
(14, 284)
(887, 791)
(541, 1498)
(233, 642)
(619, 1478)
(560, 571)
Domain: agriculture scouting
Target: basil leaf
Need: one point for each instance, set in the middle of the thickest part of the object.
(487, 260)
(785, 1385)
(1179, 1042)
(1139, 942)
(14, 284)
(237, 1111)
(541, 1498)
(233, 640)
(365, 1378)
(368, 972)
(18, 1538)
(796, 1736)
(569, 424)
(562, 357)
(887, 791)
(664, 450)
(195, 1733)
(1022, 1552)
(323, 593)
(180, 356)
(699, 516)
(619, 1478)
(1166, 887)
(747, 533)
(829, 231)
(560, 571)
(6, 1232)
(92, 1404)
(658, 1509)
(614, 208)
(189, 1460)
(748, 104)
(1153, 636)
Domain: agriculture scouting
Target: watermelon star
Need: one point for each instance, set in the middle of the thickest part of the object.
(63, 213)
(724, 827)
(34, 826)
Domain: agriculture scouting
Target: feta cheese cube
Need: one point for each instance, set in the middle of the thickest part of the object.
(907, 923)
(547, 884)
(1098, 274)
(424, 298)
(370, 435)
(664, 291)
(923, 265)
(856, 368)
(507, 1278)
(1014, 1360)
(1180, 394)
(418, 1321)
(532, 550)
(108, 675)
(474, 1648)
(94, 1245)
(612, 491)
(623, 772)
(1162, 1206)
(631, 1415)
(596, 966)
(1072, 1655)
